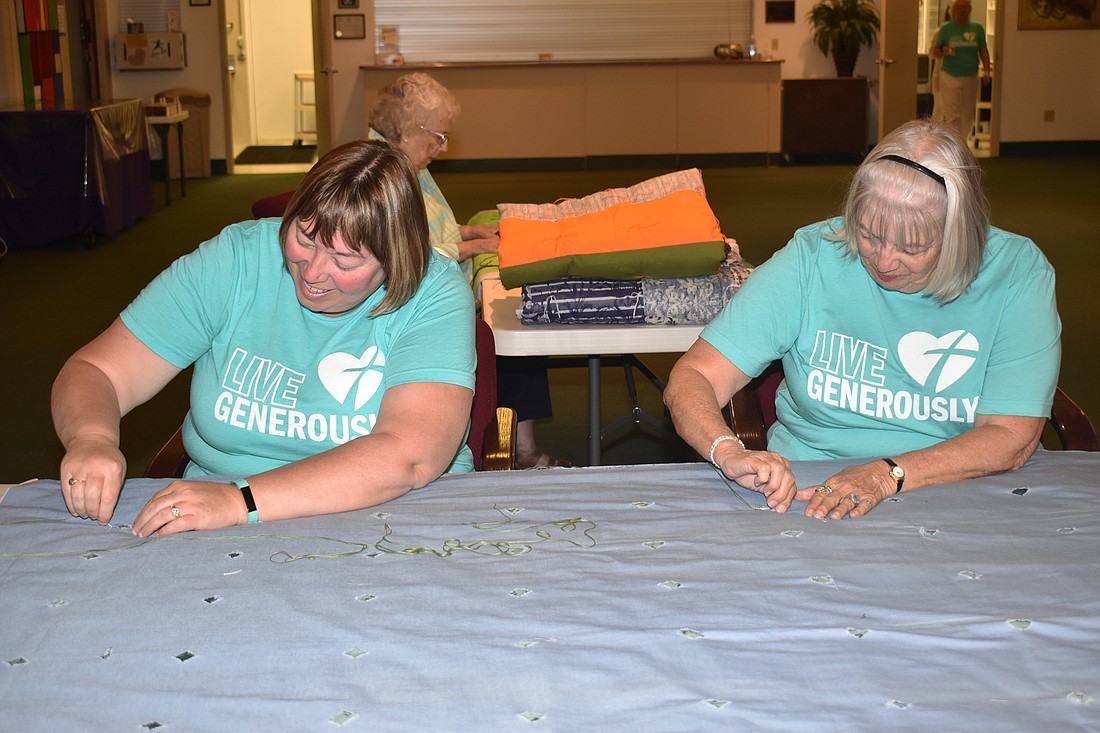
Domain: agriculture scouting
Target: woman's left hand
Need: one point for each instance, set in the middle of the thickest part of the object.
(186, 505)
(480, 231)
(853, 492)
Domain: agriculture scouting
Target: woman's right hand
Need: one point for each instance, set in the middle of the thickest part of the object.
(763, 471)
(92, 472)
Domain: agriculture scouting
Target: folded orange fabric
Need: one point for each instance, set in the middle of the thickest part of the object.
(653, 229)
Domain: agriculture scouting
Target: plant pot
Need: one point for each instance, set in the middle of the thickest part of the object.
(844, 58)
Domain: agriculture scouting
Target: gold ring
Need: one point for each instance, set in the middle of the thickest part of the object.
(824, 489)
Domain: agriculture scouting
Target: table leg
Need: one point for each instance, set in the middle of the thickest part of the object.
(162, 133)
(595, 429)
(183, 174)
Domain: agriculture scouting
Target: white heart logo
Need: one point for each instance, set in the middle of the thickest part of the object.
(948, 357)
(341, 371)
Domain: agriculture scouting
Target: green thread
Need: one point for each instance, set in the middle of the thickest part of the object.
(385, 545)
(732, 488)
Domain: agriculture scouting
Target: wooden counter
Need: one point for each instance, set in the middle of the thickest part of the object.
(581, 109)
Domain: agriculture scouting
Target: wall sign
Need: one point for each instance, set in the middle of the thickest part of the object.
(349, 27)
(779, 11)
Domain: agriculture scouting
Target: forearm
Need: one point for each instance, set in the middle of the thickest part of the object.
(991, 447)
(695, 409)
(367, 471)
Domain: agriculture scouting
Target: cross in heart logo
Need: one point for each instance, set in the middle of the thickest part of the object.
(946, 358)
(340, 372)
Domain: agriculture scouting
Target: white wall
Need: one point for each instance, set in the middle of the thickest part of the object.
(203, 73)
(1041, 70)
(792, 43)
(1048, 70)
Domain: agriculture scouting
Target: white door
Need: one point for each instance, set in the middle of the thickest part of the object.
(897, 65)
(323, 71)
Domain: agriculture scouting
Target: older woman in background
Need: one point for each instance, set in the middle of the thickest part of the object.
(333, 354)
(909, 330)
(415, 113)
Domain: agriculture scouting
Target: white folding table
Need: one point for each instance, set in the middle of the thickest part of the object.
(514, 338)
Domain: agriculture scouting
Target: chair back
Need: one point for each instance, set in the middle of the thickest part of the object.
(271, 205)
(752, 412)
(485, 389)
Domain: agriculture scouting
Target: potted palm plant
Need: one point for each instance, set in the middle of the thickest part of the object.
(843, 27)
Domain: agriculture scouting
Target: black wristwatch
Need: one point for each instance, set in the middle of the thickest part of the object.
(896, 472)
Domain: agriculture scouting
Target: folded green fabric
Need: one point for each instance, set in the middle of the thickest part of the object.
(678, 260)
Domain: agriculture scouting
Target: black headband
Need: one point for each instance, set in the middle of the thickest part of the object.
(917, 167)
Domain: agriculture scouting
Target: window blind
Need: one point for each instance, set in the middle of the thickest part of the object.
(153, 14)
(524, 30)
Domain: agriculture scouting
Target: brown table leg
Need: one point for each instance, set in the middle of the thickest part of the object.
(183, 174)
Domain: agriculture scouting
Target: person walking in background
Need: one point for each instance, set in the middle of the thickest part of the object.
(958, 47)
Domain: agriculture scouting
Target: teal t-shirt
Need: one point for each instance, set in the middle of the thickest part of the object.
(966, 40)
(275, 382)
(871, 371)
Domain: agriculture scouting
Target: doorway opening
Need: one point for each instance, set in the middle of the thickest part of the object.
(271, 95)
(933, 14)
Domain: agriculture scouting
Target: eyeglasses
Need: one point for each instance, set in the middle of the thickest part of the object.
(442, 137)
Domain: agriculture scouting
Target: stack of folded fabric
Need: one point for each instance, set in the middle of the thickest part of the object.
(659, 300)
(650, 253)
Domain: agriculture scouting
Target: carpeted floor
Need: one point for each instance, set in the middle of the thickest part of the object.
(276, 154)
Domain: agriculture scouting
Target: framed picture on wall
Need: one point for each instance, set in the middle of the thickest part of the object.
(1057, 15)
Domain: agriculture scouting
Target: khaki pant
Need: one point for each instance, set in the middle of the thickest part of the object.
(959, 95)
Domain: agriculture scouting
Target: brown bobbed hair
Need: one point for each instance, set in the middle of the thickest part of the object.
(366, 192)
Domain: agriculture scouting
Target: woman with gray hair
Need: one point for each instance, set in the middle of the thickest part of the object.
(414, 113)
(910, 332)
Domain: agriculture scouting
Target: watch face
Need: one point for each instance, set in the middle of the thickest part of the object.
(897, 472)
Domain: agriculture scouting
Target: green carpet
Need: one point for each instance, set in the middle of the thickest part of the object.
(61, 296)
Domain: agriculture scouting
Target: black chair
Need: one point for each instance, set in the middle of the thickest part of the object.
(752, 412)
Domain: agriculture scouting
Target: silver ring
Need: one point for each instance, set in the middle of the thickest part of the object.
(175, 511)
(73, 481)
(854, 498)
(824, 489)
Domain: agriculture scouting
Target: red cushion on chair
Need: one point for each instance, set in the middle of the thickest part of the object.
(271, 205)
(766, 385)
(485, 390)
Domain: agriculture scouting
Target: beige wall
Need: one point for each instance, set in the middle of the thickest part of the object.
(571, 110)
(1042, 70)
(1048, 70)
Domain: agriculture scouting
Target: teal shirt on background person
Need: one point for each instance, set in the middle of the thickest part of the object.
(874, 372)
(967, 41)
(275, 382)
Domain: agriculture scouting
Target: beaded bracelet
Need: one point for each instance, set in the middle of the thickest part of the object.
(720, 439)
